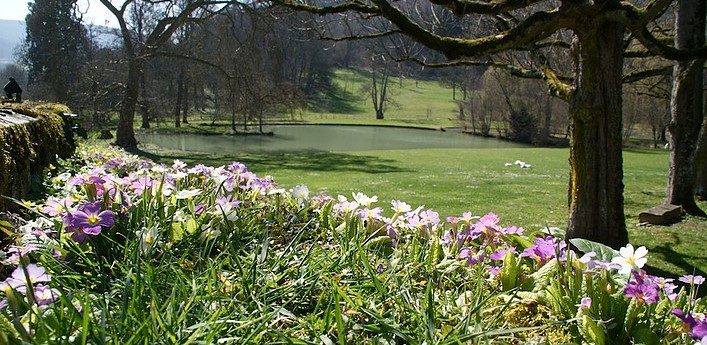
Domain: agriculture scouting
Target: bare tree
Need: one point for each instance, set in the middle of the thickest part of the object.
(377, 90)
(140, 48)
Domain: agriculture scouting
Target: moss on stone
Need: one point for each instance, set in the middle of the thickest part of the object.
(26, 149)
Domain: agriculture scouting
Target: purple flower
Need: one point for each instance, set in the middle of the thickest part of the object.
(35, 274)
(489, 220)
(142, 183)
(692, 280)
(237, 167)
(501, 252)
(429, 217)
(467, 217)
(88, 220)
(643, 288)
(55, 207)
(667, 286)
(367, 213)
(544, 249)
(45, 295)
(472, 256)
(25, 276)
(695, 328)
(585, 303)
(494, 270)
(512, 230)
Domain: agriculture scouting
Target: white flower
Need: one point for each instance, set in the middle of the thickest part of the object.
(363, 199)
(300, 193)
(159, 169)
(400, 207)
(179, 175)
(209, 233)
(227, 209)
(148, 239)
(218, 179)
(188, 193)
(630, 259)
(277, 191)
(180, 216)
(178, 165)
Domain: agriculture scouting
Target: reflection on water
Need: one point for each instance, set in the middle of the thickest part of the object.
(303, 138)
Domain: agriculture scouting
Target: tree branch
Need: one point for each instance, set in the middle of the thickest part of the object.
(638, 76)
(196, 59)
(635, 20)
(461, 7)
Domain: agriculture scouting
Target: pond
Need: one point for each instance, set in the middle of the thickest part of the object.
(304, 138)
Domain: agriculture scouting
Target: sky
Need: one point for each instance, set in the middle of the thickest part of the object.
(94, 11)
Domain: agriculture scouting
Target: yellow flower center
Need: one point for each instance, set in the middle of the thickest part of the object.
(93, 219)
(149, 239)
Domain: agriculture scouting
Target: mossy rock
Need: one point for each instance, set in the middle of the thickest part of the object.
(27, 148)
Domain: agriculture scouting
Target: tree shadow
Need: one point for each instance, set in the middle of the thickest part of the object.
(677, 259)
(304, 161)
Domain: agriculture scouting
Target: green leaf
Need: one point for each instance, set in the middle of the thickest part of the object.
(541, 278)
(642, 334)
(554, 232)
(6, 227)
(602, 251)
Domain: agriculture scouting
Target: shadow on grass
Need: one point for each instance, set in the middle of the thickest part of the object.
(335, 100)
(643, 150)
(677, 259)
(304, 161)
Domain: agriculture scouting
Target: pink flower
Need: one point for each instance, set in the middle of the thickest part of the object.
(55, 207)
(692, 280)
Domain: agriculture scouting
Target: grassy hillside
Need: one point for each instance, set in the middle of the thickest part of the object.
(413, 102)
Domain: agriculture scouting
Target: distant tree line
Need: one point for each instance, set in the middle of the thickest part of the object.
(249, 62)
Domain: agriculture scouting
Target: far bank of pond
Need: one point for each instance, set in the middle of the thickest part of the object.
(303, 138)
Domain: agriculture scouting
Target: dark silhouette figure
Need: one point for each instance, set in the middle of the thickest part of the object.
(13, 90)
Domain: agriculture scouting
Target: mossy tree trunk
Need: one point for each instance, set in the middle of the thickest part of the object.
(686, 108)
(596, 169)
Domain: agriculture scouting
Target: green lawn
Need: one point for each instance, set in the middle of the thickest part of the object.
(452, 181)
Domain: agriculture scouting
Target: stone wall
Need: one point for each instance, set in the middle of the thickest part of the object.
(32, 135)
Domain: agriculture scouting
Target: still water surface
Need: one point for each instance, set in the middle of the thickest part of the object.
(303, 138)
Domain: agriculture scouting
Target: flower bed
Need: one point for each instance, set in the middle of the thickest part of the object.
(127, 251)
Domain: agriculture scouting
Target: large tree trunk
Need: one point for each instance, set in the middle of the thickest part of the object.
(144, 109)
(125, 134)
(701, 164)
(180, 98)
(596, 189)
(686, 107)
